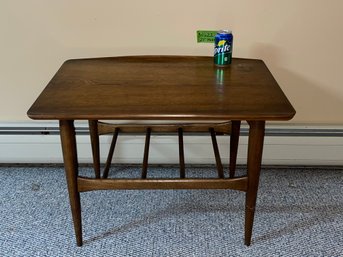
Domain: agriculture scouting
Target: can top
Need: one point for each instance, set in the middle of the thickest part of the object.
(225, 31)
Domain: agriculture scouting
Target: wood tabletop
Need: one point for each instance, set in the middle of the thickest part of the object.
(162, 88)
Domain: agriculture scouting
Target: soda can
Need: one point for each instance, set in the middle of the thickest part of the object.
(223, 48)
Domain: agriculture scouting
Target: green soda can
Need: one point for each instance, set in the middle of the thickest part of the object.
(223, 43)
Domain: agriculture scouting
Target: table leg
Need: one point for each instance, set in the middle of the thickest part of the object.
(255, 148)
(68, 142)
(93, 131)
(234, 140)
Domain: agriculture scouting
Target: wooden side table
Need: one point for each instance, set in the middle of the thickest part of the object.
(184, 88)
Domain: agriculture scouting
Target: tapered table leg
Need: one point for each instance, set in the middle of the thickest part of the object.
(255, 148)
(234, 140)
(93, 131)
(68, 142)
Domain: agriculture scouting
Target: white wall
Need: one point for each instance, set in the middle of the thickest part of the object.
(300, 40)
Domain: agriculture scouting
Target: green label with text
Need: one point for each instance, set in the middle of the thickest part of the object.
(206, 36)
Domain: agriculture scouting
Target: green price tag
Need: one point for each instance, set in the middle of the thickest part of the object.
(206, 36)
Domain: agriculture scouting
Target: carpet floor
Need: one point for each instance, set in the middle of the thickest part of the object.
(299, 213)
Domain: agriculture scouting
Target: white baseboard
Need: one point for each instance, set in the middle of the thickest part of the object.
(293, 146)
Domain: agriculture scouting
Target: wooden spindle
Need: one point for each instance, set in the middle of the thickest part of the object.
(181, 154)
(110, 153)
(146, 153)
(216, 154)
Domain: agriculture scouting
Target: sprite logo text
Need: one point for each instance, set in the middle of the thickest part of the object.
(222, 47)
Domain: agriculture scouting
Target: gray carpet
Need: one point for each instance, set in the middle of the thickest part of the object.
(299, 213)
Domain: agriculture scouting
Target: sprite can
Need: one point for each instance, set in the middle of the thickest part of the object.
(223, 48)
